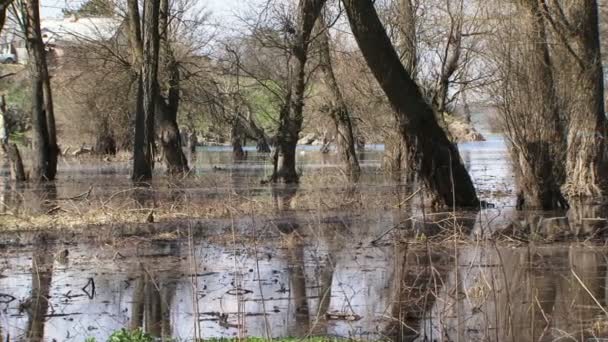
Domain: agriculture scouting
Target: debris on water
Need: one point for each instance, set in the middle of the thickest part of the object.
(341, 316)
(237, 291)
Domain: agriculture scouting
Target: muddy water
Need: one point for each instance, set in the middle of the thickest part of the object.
(338, 273)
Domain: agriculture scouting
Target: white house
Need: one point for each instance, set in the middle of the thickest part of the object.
(59, 33)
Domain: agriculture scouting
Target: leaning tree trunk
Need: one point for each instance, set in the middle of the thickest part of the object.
(143, 159)
(44, 164)
(337, 109)
(291, 118)
(170, 136)
(587, 134)
(537, 141)
(430, 152)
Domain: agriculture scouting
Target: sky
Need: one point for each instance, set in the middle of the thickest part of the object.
(221, 8)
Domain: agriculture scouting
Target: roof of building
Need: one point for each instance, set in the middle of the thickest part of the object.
(74, 29)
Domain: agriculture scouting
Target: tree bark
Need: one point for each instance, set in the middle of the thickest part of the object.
(16, 163)
(430, 153)
(170, 136)
(408, 38)
(290, 118)
(143, 159)
(538, 148)
(394, 160)
(586, 155)
(44, 156)
(50, 120)
(337, 108)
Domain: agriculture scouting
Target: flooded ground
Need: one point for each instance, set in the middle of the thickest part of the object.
(329, 258)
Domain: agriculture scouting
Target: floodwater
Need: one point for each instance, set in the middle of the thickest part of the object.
(392, 273)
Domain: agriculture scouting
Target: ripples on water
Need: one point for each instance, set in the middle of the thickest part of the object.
(338, 273)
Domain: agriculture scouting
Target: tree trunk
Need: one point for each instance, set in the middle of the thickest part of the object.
(236, 137)
(338, 110)
(450, 63)
(15, 161)
(430, 153)
(587, 134)
(44, 159)
(50, 120)
(290, 122)
(170, 136)
(394, 160)
(408, 38)
(143, 159)
(537, 140)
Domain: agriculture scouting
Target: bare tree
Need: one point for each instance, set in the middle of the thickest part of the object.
(336, 105)
(430, 152)
(146, 51)
(575, 24)
(290, 115)
(168, 106)
(529, 108)
(44, 141)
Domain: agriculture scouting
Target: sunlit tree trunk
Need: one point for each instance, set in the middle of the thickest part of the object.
(430, 153)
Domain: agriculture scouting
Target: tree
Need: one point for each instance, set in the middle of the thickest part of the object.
(336, 105)
(576, 27)
(146, 56)
(529, 108)
(168, 106)
(92, 8)
(44, 141)
(290, 115)
(430, 153)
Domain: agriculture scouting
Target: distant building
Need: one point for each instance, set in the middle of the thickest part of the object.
(59, 34)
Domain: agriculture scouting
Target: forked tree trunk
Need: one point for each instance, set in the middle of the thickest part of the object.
(44, 156)
(586, 157)
(143, 159)
(170, 136)
(337, 109)
(538, 154)
(290, 121)
(430, 153)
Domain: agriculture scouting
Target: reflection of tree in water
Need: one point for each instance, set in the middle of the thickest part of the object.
(153, 295)
(525, 294)
(419, 272)
(38, 303)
